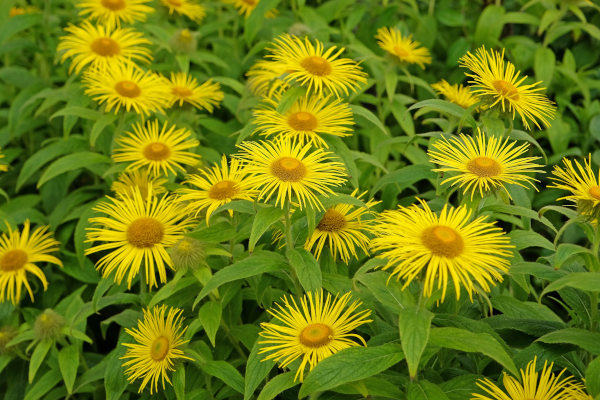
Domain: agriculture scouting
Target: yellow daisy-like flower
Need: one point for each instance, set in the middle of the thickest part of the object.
(484, 164)
(98, 46)
(533, 386)
(582, 182)
(306, 120)
(317, 329)
(18, 253)
(317, 69)
(404, 48)
(418, 243)
(457, 94)
(576, 391)
(185, 89)
(245, 7)
(291, 170)
(161, 150)
(125, 85)
(159, 339)
(265, 78)
(3, 167)
(112, 13)
(344, 229)
(137, 231)
(141, 180)
(498, 83)
(216, 186)
(190, 9)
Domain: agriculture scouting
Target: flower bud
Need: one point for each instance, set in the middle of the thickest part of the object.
(48, 325)
(188, 253)
(183, 41)
(7, 333)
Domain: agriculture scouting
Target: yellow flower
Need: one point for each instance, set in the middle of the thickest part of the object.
(98, 46)
(404, 48)
(291, 170)
(137, 231)
(185, 88)
(265, 78)
(190, 9)
(317, 329)
(543, 386)
(140, 179)
(112, 13)
(245, 7)
(484, 164)
(343, 228)
(3, 167)
(14, 11)
(306, 120)
(317, 69)
(497, 83)
(576, 391)
(160, 150)
(418, 243)
(158, 342)
(457, 94)
(582, 182)
(126, 85)
(18, 253)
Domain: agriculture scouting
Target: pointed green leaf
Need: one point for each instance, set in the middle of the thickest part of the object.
(414, 324)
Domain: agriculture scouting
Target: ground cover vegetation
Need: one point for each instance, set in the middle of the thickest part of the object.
(335, 199)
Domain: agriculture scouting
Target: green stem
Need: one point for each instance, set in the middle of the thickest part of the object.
(289, 244)
(143, 284)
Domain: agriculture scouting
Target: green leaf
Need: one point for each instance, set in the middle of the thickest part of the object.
(68, 362)
(99, 126)
(277, 385)
(588, 341)
(179, 382)
(77, 111)
(489, 25)
(37, 357)
(463, 340)
(256, 370)
(210, 317)
(307, 269)
(369, 116)
(444, 107)
(264, 218)
(365, 361)
(72, 162)
(543, 66)
(256, 19)
(225, 372)
(414, 324)
(258, 263)
(566, 251)
(43, 385)
(592, 377)
(425, 390)
(405, 176)
(288, 99)
(115, 381)
(525, 239)
(589, 281)
(172, 287)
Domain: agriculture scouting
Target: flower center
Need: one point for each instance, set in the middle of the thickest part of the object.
(332, 221)
(13, 260)
(595, 192)
(288, 169)
(157, 151)
(316, 65)
(114, 5)
(181, 91)
(159, 348)
(145, 232)
(443, 241)
(302, 121)
(105, 47)
(128, 89)
(185, 35)
(316, 335)
(484, 167)
(222, 190)
(400, 51)
(506, 89)
(176, 3)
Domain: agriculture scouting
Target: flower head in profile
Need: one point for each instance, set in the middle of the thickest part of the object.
(291, 171)
(19, 254)
(543, 385)
(125, 85)
(319, 70)
(161, 150)
(266, 78)
(499, 84)
(136, 231)
(189, 8)
(483, 164)
(306, 120)
(139, 179)
(418, 243)
(98, 46)
(319, 327)
(404, 49)
(216, 186)
(113, 13)
(245, 7)
(185, 89)
(343, 228)
(582, 183)
(457, 94)
(158, 346)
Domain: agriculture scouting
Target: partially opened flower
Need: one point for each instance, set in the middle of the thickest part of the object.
(112, 13)
(185, 89)
(320, 327)
(158, 346)
(189, 8)
(498, 83)
(419, 244)
(457, 94)
(139, 179)
(403, 48)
